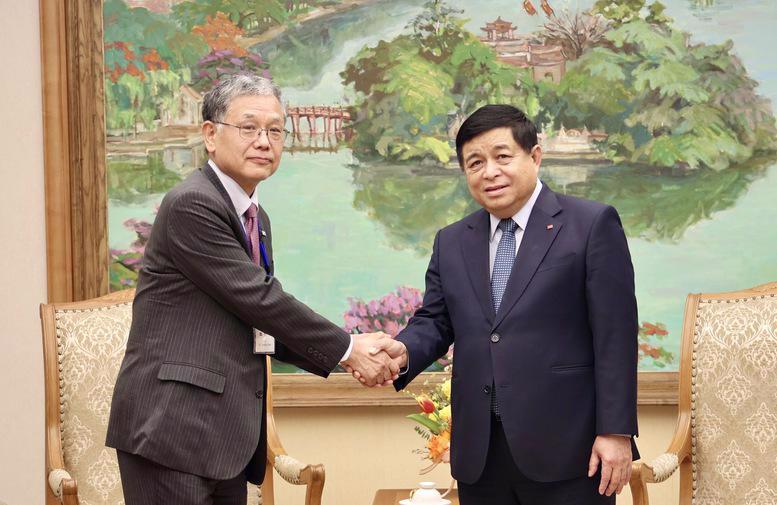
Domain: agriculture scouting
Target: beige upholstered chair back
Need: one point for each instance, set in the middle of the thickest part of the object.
(88, 341)
(734, 399)
(84, 345)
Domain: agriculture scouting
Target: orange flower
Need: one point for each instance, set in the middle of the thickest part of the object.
(439, 445)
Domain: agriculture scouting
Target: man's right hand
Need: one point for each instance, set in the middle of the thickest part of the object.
(385, 346)
(374, 368)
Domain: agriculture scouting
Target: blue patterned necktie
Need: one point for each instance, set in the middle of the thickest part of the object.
(503, 262)
(500, 274)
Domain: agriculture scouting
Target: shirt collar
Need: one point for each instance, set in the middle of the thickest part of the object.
(240, 199)
(522, 216)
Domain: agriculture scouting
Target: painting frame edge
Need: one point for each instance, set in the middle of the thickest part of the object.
(77, 259)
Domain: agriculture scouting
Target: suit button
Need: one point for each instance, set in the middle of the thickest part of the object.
(487, 390)
(495, 338)
(259, 394)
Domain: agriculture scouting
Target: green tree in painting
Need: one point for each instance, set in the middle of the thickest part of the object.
(253, 16)
(146, 61)
(664, 101)
(134, 79)
(409, 91)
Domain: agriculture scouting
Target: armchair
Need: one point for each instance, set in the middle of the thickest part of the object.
(83, 345)
(725, 443)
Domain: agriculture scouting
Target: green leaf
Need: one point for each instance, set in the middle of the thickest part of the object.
(423, 89)
(441, 149)
(645, 37)
(669, 78)
(426, 422)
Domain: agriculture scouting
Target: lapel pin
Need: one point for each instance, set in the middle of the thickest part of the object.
(549, 227)
(264, 234)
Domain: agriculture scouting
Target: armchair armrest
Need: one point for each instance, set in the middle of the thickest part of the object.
(296, 472)
(292, 470)
(662, 467)
(63, 486)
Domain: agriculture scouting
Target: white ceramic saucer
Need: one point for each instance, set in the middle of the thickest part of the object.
(410, 502)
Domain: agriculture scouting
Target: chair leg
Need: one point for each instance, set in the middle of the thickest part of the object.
(315, 487)
(639, 493)
(268, 493)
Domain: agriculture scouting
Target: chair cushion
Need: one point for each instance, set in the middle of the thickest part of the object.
(734, 401)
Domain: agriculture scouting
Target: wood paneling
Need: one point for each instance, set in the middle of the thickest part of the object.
(74, 149)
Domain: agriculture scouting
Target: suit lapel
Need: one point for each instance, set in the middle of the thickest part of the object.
(237, 225)
(541, 230)
(474, 249)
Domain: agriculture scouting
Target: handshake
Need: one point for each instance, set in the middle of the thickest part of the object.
(375, 359)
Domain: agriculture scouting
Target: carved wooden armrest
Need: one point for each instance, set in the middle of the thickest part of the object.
(294, 471)
(658, 470)
(61, 483)
(661, 468)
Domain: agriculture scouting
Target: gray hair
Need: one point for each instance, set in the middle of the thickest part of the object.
(217, 100)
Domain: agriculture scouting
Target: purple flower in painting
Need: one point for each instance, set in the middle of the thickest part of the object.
(389, 313)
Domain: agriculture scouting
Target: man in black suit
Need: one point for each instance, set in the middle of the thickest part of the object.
(188, 407)
(536, 290)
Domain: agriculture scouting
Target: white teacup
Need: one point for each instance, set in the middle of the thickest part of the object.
(426, 495)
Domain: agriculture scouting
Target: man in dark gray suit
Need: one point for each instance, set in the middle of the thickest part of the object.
(187, 410)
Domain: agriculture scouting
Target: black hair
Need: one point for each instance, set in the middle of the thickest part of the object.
(489, 117)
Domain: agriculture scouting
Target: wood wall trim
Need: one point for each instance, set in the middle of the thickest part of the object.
(340, 390)
(74, 149)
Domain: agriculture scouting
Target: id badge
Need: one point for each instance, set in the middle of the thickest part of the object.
(263, 343)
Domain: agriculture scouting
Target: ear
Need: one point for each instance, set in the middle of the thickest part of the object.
(209, 131)
(536, 155)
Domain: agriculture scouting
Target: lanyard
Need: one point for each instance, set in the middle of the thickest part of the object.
(262, 249)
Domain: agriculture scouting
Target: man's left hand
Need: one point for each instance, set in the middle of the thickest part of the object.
(614, 453)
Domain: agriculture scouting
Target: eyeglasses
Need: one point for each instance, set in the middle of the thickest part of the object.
(251, 132)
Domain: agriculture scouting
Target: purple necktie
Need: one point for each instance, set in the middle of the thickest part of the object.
(253, 233)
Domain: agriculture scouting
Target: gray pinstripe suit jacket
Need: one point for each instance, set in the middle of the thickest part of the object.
(189, 394)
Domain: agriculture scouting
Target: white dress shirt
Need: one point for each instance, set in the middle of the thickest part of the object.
(521, 218)
(241, 201)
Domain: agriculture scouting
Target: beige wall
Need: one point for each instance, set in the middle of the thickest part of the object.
(365, 449)
(22, 257)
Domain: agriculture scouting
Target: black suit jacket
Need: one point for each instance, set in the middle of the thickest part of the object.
(190, 391)
(562, 350)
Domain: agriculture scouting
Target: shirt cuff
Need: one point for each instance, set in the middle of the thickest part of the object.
(348, 351)
(404, 369)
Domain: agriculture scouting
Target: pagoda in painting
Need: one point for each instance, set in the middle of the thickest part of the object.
(524, 51)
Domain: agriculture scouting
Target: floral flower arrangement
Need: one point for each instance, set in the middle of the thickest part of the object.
(435, 421)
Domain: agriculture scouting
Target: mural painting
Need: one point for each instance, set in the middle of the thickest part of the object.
(662, 109)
